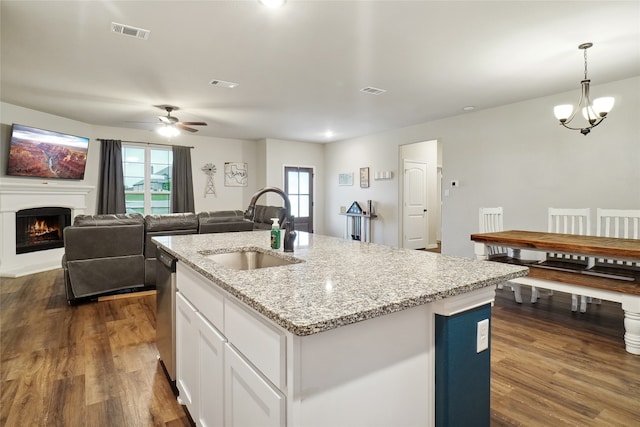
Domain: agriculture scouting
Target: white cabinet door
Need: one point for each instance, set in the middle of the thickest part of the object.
(250, 400)
(210, 396)
(186, 348)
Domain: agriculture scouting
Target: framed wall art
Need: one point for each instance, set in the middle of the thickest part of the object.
(364, 177)
(235, 174)
(345, 179)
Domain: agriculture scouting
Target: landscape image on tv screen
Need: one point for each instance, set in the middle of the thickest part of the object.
(46, 154)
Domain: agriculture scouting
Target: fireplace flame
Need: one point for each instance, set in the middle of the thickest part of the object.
(41, 228)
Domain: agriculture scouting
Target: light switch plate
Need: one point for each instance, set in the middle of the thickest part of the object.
(482, 336)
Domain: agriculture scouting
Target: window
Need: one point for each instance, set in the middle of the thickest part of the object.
(147, 179)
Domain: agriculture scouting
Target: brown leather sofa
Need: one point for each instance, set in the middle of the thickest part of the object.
(106, 254)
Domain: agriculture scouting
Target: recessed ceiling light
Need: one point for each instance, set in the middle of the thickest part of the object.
(469, 108)
(328, 134)
(272, 3)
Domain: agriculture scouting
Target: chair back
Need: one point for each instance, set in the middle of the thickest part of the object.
(624, 224)
(569, 221)
(491, 221)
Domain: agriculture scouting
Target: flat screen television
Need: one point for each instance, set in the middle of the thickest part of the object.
(45, 154)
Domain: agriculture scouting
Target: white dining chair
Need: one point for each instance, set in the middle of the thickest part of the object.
(568, 221)
(490, 220)
(618, 223)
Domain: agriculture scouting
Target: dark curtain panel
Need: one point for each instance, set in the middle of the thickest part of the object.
(182, 181)
(111, 190)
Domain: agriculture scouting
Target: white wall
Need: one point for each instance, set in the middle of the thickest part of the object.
(379, 153)
(516, 156)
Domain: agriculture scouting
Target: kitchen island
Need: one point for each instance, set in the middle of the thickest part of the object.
(345, 333)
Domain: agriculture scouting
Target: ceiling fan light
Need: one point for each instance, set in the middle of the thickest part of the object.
(603, 105)
(563, 112)
(168, 131)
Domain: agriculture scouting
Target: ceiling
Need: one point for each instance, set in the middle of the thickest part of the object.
(300, 68)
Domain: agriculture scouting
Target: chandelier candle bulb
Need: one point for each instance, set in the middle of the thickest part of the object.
(563, 112)
(603, 105)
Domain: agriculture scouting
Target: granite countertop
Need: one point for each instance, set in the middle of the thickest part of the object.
(337, 282)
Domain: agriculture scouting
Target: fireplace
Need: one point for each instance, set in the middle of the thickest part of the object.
(40, 229)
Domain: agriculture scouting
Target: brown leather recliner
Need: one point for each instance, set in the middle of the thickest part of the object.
(103, 254)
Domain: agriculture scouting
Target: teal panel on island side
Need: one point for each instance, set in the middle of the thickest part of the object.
(463, 376)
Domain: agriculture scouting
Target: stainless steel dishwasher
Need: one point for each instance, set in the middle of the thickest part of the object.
(166, 312)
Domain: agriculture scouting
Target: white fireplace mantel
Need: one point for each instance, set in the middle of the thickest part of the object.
(15, 196)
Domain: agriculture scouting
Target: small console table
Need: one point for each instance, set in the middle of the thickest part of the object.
(358, 226)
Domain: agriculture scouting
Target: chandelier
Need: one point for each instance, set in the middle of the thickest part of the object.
(594, 112)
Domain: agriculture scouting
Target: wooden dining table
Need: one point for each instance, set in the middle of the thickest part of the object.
(618, 281)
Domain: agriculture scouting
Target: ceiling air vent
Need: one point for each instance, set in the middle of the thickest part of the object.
(222, 83)
(128, 30)
(372, 90)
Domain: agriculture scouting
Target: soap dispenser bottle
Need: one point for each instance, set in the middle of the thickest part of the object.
(275, 234)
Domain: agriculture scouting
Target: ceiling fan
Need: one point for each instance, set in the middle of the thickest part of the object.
(170, 120)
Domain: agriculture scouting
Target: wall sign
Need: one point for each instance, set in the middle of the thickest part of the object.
(235, 174)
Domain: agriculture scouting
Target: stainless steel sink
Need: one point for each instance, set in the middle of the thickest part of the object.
(250, 260)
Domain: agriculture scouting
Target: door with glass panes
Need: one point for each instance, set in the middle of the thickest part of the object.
(298, 184)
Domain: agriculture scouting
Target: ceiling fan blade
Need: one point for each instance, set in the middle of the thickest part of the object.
(187, 128)
(165, 119)
(194, 123)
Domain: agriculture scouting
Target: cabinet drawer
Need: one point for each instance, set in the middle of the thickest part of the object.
(202, 294)
(260, 342)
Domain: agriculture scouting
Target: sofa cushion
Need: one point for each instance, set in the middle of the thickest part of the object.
(174, 221)
(107, 219)
(84, 242)
(223, 222)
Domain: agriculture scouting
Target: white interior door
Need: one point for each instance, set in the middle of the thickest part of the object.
(415, 231)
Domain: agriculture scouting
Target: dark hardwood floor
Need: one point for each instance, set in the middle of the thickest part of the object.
(552, 367)
(89, 365)
(95, 364)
